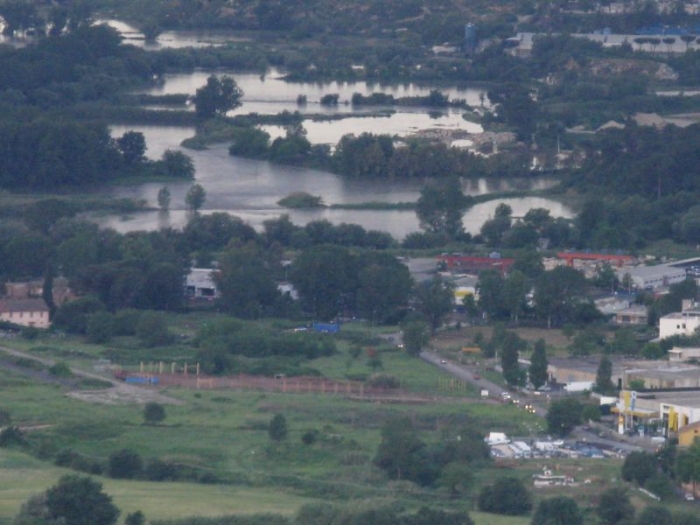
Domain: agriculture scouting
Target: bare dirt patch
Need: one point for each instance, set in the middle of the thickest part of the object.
(456, 339)
(123, 394)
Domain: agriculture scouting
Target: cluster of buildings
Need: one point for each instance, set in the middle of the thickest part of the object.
(23, 303)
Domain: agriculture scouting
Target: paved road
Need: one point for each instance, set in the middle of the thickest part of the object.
(463, 372)
(610, 441)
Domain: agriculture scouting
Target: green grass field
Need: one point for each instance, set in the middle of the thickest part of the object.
(22, 476)
(223, 432)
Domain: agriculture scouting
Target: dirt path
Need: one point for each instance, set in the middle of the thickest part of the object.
(119, 393)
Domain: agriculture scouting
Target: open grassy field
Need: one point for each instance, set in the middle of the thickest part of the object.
(224, 433)
(22, 476)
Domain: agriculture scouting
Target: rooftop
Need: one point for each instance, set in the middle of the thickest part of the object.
(688, 398)
(668, 373)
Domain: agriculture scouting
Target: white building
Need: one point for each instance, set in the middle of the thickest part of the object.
(31, 311)
(652, 277)
(200, 284)
(680, 323)
(676, 354)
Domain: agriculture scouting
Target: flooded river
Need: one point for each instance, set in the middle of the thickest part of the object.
(250, 189)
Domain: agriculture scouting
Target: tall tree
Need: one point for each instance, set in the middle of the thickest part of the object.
(218, 96)
(195, 198)
(440, 208)
(434, 299)
(416, 335)
(490, 288)
(164, 198)
(326, 278)
(511, 346)
(688, 464)
(515, 289)
(538, 365)
(384, 287)
(556, 293)
(246, 283)
(132, 145)
(603, 378)
(277, 429)
(402, 454)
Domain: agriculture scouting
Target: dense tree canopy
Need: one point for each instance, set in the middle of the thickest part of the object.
(80, 500)
(557, 511)
(217, 97)
(505, 496)
(563, 415)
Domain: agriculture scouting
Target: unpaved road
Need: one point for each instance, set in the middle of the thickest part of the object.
(119, 393)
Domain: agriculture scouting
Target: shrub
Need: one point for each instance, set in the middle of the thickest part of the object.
(506, 496)
(383, 381)
(277, 430)
(125, 464)
(153, 413)
(125, 321)
(5, 417)
(158, 470)
(12, 436)
(72, 460)
(61, 369)
(100, 327)
(152, 330)
(309, 437)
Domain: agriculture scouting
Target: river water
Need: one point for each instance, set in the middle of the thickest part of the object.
(250, 189)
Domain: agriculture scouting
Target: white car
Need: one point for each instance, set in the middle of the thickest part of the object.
(689, 497)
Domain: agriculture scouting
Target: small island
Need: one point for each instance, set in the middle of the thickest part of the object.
(301, 199)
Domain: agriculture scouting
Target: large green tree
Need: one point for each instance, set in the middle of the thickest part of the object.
(490, 288)
(384, 286)
(563, 415)
(277, 429)
(79, 500)
(654, 516)
(402, 454)
(560, 510)
(557, 292)
(416, 335)
(603, 378)
(326, 278)
(132, 145)
(246, 282)
(217, 97)
(639, 467)
(507, 496)
(440, 208)
(434, 300)
(688, 464)
(614, 506)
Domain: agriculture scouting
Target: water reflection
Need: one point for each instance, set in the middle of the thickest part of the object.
(250, 189)
(172, 39)
(397, 223)
(401, 124)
